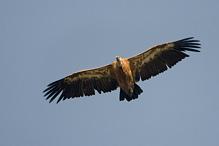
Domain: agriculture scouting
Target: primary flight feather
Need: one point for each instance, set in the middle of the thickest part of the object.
(123, 73)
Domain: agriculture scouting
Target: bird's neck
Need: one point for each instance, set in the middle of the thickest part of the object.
(119, 63)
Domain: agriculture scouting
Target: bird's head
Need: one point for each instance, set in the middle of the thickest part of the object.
(118, 61)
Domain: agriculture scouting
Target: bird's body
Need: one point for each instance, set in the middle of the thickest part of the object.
(123, 73)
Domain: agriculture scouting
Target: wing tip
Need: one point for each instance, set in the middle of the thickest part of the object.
(53, 90)
(188, 44)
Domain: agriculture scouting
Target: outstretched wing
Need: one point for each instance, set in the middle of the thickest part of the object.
(83, 83)
(155, 60)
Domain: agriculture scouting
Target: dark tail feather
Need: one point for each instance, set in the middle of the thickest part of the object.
(137, 91)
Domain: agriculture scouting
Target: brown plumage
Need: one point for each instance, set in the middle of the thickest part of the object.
(123, 73)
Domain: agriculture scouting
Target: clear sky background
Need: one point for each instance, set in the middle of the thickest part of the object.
(45, 40)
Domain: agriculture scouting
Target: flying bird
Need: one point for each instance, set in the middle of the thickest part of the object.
(122, 73)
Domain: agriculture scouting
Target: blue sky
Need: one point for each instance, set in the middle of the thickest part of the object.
(43, 41)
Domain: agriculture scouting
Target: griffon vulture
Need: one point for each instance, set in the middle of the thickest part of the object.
(123, 73)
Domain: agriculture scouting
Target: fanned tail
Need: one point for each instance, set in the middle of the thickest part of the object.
(137, 91)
